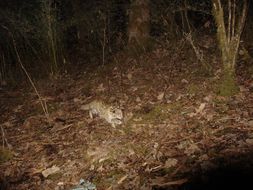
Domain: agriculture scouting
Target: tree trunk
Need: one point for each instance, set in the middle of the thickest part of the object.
(139, 26)
(229, 35)
(81, 25)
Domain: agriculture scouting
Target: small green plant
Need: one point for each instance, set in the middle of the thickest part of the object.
(154, 114)
(228, 85)
(5, 154)
(193, 89)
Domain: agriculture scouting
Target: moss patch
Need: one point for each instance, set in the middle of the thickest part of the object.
(193, 89)
(5, 155)
(204, 71)
(228, 85)
(55, 176)
(156, 114)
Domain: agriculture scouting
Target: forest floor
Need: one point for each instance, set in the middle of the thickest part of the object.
(177, 128)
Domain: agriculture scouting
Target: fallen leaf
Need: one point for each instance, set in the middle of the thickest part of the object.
(184, 81)
(77, 100)
(101, 88)
(160, 96)
(7, 124)
(193, 148)
(129, 76)
(249, 141)
(179, 98)
(201, 108)
(251, 123)
(208, 98)
(49, 171)
(18, 108)
(171, 162)
(138, 99)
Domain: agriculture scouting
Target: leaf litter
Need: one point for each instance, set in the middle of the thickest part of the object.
(169, 128)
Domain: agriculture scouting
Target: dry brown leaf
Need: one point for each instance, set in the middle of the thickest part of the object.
(160, 96)
(49, 171)
(171, 162)
(129, 76)
(201, 108)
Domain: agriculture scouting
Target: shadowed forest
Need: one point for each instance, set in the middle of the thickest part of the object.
(126, 94)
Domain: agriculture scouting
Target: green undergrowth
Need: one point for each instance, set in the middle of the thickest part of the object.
(193, 89)
(55, 176)
(156, 114)
(203, 71)
(228, 86)
(5, 155)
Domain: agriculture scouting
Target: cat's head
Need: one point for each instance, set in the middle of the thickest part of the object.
(116, 115)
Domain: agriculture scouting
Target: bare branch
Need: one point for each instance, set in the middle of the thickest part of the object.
(229, 22)
(233, 21)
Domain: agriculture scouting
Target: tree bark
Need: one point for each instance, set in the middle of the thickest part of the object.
(139, 26)
(229, 34)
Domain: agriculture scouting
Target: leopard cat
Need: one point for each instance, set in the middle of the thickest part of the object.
(112, 115)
